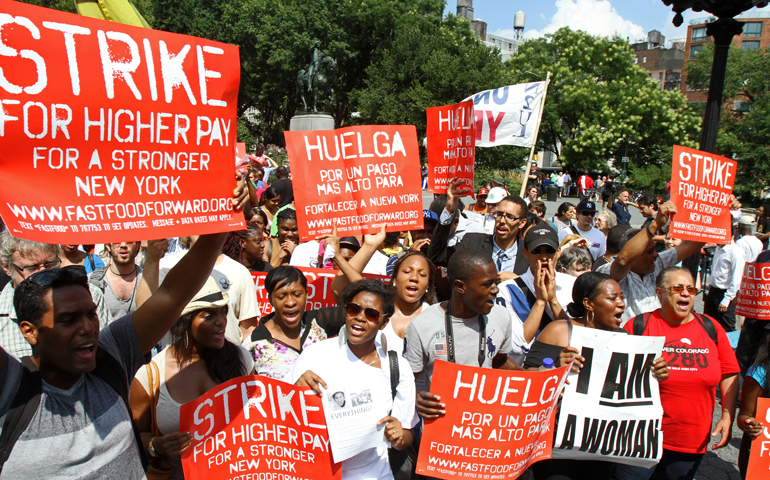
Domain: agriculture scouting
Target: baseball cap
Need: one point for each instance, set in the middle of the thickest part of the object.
(496, 195)
(430, 215)
(210, 296)
(586, 206)
(541, 235)
(747, 220)
(482, 191)
(350, 243)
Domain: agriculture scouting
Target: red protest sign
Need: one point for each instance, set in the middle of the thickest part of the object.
(497, 422)
(754, 296)
(112, 132)
(319, 288)
(256, 427)
(451, 146)
(759, 459)
(701, 185)
(359, 177)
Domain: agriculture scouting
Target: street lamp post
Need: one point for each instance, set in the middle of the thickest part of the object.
(723, 30)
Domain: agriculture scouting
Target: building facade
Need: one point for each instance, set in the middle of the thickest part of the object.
(756, 34)
(663, 65)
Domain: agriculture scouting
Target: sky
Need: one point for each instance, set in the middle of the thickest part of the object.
(631, 19)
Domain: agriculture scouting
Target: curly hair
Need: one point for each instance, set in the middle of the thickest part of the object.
(233, 246)
(375, 287)
(430, 294)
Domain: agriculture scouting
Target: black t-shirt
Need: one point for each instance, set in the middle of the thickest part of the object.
(284, 187)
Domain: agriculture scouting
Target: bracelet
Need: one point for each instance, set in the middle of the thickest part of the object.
(650, 231)
(151, 449)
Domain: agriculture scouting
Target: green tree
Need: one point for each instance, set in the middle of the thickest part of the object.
(600, 104)
(744, 132)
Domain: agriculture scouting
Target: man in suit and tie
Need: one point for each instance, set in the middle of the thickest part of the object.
(503, 245)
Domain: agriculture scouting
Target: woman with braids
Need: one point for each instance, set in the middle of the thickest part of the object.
(283, 244)
(246, 247)
(270, 200)
(755, 386)
(199, 359)
(597, 302)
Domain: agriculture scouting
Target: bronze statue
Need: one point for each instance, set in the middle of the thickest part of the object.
(319, 77)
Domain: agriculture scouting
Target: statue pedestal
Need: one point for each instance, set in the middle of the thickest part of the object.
(311, 121)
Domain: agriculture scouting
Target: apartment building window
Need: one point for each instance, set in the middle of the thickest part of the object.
(699, 34)
(695, 49)
(636, 60)
(750, 45)
(644, 59)
(752, 29)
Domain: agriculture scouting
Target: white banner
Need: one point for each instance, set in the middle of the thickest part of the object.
(611, 410)
(508, 115)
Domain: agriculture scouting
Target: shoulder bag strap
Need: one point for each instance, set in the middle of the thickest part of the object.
(708, 326)
(23, 408)
(394, 373)
(531, 299)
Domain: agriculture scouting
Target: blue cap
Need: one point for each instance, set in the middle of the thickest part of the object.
(430, 215)
(548, 362)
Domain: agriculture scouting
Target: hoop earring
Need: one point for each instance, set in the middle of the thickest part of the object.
(590, 317)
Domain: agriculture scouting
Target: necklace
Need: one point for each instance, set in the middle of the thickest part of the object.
(123, 274)
(376, 356)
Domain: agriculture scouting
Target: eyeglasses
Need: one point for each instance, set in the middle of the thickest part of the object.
(508, 216)
(681, 288)
(30, 269)
(588, 214)
(70, 273)
(371, 314)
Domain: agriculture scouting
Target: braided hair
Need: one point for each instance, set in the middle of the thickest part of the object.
(233, 246)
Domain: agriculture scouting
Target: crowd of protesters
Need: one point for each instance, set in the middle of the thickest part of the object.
(105, 343)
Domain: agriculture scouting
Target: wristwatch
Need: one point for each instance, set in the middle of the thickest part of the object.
(151, 449)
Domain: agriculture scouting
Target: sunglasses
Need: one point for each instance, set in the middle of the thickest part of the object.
(71, 273)
(588, 214)
(681, 288)
(371, 314)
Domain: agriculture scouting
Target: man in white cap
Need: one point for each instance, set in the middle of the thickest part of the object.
(494, 197)
(751, 245)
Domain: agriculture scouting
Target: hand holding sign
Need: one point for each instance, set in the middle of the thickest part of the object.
(429, 405)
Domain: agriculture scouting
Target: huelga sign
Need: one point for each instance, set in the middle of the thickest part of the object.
(357, 177)
(112, 132)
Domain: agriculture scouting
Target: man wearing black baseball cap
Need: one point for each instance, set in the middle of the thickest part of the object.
(538, 295)
(597, 242)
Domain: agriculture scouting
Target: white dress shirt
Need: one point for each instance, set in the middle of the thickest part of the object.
(727, 270)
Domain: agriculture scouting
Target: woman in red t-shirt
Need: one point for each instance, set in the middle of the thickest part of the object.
(696, 365)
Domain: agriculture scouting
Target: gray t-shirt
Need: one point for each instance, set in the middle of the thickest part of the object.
(83, 432)
(425, 340)
(640, 291)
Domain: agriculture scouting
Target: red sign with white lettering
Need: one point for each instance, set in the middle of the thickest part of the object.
(256, 427)
(451, 146)
(357, 177)
(497, 422)
(319, 288)
(754, 296)
(112, 132)
(759, 459)
(701, 185)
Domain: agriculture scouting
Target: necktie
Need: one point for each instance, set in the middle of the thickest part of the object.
(502, 257)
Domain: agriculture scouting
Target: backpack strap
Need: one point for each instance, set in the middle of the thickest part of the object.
(23, 408)
(574, 230)
(90, 257)
(97, 278)
(708, 325)
(640, 323)
(394, 373)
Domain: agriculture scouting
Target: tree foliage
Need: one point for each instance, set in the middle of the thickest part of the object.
(599, 103)
(744, 133)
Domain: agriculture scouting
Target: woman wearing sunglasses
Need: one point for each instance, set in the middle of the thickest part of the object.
(356, 364)
(597, 302)
(412, 280)
(699, 358)
(198, 359)
(276, 343)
